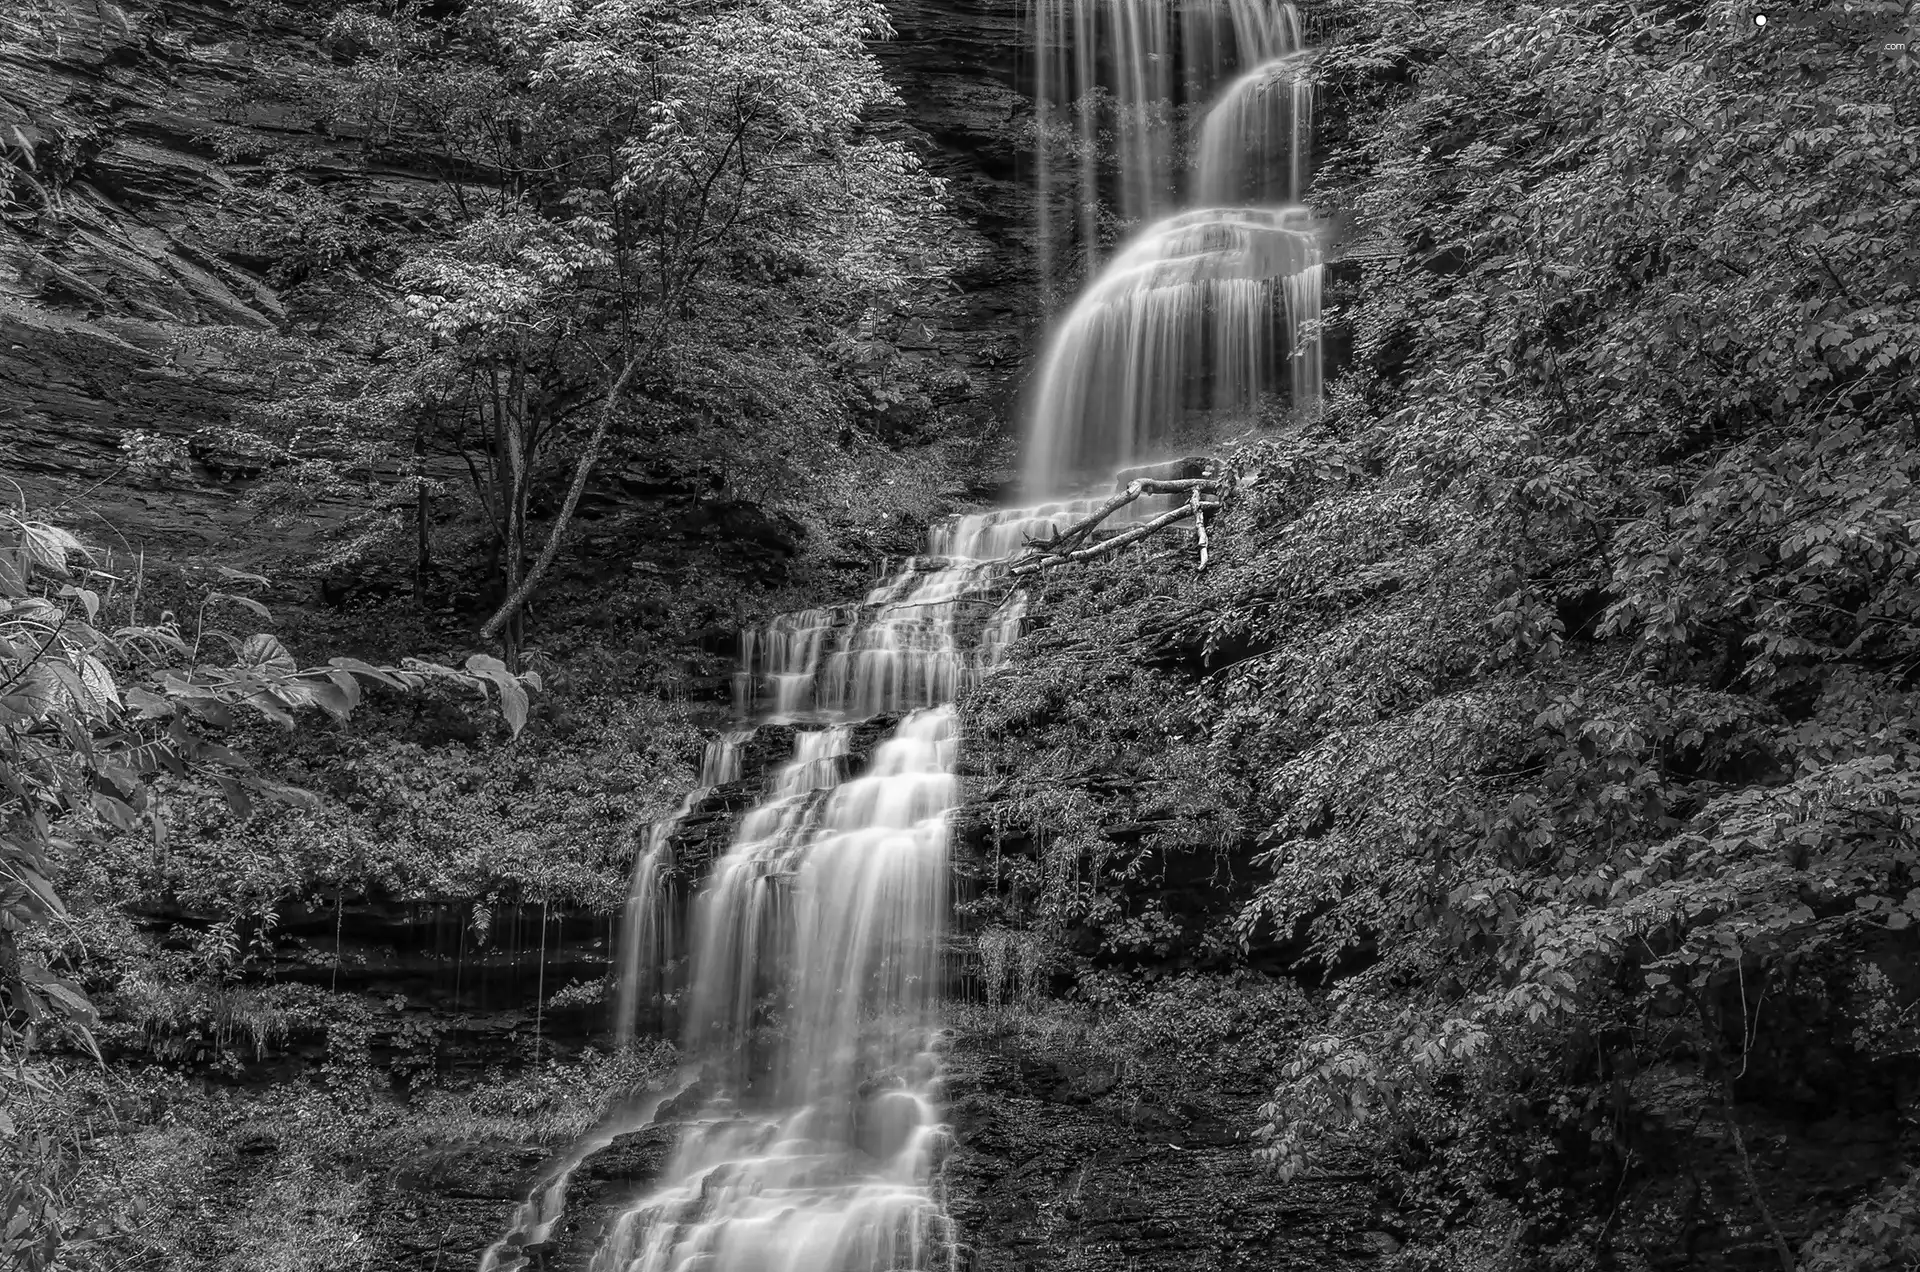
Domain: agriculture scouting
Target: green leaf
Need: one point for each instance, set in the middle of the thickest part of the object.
(245, 602)
(487, 665)
(513, 696)
(236, 796)
(385, 675)
(513, 705)
(65, 996)
(89, 600)
(292, 796)
(328, 696)
(348, 686)
(38, 892)
(115, 812)
(147, 704)
(48, 546)
(272, 706)
(266, 653)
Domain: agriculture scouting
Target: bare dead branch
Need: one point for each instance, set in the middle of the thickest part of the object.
(1199, 524)
(1042, 560)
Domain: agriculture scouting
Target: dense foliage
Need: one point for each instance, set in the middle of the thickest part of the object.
(1557, 679)
(100, 729)
(1523, 800)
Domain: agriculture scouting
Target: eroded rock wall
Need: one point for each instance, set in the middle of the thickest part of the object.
(136, 257)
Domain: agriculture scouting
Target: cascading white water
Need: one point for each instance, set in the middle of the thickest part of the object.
(1203, 310)
(810, 1020)
(811, 1017)
(647, 935)
(817, 1150)
(1128, 69)
(1256, 140)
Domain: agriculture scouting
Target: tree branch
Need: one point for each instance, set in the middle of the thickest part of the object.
(1043, 559)
(1199, 524)
(551, 548)
(1136, 488)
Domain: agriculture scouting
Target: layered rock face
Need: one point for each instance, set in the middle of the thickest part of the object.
(135, 258)
(956, 64)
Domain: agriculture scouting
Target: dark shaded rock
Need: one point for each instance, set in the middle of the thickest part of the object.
(443, 1000)
(1054, 1167)
(442, 1206)
(600, 1189)
(120, 257)
(738, 520)
(955, 64)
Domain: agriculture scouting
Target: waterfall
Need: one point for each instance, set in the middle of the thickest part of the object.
(647, 923)
(811, 1016)
(1130, 67)
(1256, 140)
(1207, 309)
(810, 1013)
(1194, 314)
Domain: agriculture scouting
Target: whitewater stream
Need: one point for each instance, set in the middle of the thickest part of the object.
(806, 964)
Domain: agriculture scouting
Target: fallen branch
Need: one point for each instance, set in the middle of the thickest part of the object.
(1044, 559)
(1199, 524)
(1135, 488)
(1079, 531)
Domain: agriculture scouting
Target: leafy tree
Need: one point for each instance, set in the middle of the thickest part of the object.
(661, 219)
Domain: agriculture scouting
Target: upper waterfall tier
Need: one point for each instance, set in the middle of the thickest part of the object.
(1119, 73)
(1205, 310)
(1256, 141)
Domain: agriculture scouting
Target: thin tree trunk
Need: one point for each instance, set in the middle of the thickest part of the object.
(515, 431)
(1780, 1246)
(548, 552)
(423, 541)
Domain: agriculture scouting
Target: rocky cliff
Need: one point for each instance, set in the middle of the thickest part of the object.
(956, 64)
(137, 259)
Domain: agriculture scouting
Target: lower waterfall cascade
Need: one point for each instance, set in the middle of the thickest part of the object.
(815, 1149)
(806, 965)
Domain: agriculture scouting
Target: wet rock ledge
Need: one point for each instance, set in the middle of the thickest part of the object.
(1053, 1166)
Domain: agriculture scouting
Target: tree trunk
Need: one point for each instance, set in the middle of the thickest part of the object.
(519, 497)
(422, 518)
(1782, 1250)
(551, 549)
